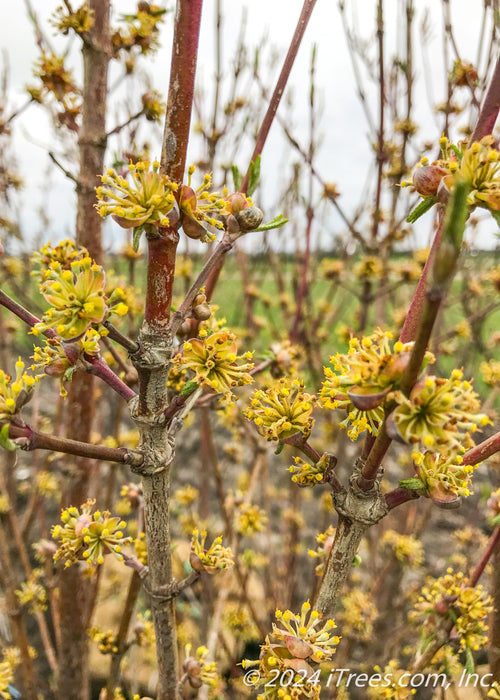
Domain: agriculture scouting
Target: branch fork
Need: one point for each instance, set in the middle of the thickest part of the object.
(365, 507)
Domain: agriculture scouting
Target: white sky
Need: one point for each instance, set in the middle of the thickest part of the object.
(345, 151)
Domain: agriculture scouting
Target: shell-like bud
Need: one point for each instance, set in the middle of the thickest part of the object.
(249, 218)
(202, 312)
(232, 225)
(392, 429)
(427, 178)
(191, 666)
(192, 228)
(366, 402)
(298, 647)
(238, 202)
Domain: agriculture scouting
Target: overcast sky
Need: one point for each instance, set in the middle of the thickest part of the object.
(345, 150)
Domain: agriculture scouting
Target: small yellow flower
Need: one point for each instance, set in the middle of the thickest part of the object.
(76, 297)
(14, 394)
(450, 596)
(88, 535)
(439, 413)
(282, 410)
(148, 200)
(210, 560)
(362, 378)
(214, 361)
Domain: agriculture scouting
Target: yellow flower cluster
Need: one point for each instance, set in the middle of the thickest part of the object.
(490, 372)
(238, 619)
(32, 593)
(77, 299)
(450, 596)
(63, 253)
(391, 684)
(80, 20)
(14, 394)
(297, 642)
(331, 269)
(439, 413)
(52, 360)
(369, 268)
(201, 208)
(106, 641)
(407, 549)
(358, 615)
(210, 560)
(322, 552)
(88, 535)
(199, 670)
(477, 164)
(10, 661)
(148, 200)
(282, 410)
(443, 476)
(362, 378)
(215, 363)
(141, 31)
(54, 76)
(250, 519)
(305, 474)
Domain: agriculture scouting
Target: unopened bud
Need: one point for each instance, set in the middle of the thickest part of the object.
(427, 178)
(249, 219)
(238, 202)
(202, 312)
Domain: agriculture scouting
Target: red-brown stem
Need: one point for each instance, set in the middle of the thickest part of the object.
(101, 369)
(493, 543)
(160, 280)
(298, 441)
(414, 314)
(482, 451)
(22, 313)
(399, 496)
(489, 109)
(92, 134)
(302, 23)
(155, 340)
(218, 254)
(380, 144)
(42, 441)
(304, 18)
(181, 87)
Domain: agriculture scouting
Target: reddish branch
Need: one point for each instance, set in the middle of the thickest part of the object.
(302, 23)
(30, 439)
(304, 18)
(484, 450)
(95, 365)
(181, 88)
(490, 108)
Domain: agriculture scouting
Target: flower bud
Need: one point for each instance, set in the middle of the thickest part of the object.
(238, 202)
(427, 178)
(298, 647)
(191, 666)
(202, 312)
(232, 225)
(249, 218)
(193, 229)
